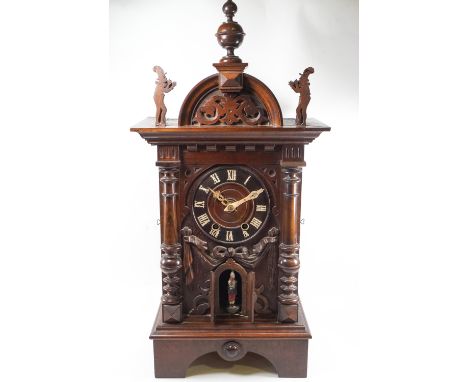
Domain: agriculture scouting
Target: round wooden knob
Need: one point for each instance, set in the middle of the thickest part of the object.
(232, 351)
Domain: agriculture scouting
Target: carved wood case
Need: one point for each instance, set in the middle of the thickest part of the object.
(230, 120)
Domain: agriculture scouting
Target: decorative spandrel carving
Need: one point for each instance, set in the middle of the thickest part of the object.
(230, 110)
(220, 254)
(302, 86)
(163, 86)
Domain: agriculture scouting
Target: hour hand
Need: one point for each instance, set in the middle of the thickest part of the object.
(251, 196)
(217, 195)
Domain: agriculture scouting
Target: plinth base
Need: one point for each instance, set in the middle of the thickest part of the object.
(176, 346)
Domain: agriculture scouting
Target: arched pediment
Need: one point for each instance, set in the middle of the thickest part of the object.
(254, 105)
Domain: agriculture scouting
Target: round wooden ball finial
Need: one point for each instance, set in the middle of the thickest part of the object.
(230, 34)
(229, 9)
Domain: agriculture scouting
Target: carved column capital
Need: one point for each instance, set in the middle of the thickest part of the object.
(168, 156)
(292, 156)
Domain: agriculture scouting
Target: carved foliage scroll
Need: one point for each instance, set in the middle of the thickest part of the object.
(262, 305)
(230, 110)
(201, 302)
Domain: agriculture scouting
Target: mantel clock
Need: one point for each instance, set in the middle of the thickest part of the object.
(230, 199)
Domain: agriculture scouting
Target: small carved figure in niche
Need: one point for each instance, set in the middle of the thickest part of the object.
(232, 294)
(163, 85)
(302, 86)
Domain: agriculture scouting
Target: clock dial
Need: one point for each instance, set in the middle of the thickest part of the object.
(230, 204)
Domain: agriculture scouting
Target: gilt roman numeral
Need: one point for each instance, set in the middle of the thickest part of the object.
(260, 207)
(215, 178)
(247, 180)
(229, 236)
(200, 204)
(204, 189)
(256, 223)
(232, 175)
(203, 219)
(214, 232)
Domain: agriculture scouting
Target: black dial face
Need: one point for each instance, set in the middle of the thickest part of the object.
(230, 204)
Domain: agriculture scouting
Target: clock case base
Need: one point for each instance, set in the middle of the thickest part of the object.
(176, 347)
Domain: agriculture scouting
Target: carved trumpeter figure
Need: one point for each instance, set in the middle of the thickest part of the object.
(302, 86)
(163, 86)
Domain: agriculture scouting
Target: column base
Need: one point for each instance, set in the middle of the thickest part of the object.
(288, 313)
(172, 314)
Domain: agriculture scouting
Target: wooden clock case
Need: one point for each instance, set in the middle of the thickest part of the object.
(230, 119)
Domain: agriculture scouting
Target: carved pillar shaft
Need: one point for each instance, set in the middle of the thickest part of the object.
(288, 263)
(171, 260)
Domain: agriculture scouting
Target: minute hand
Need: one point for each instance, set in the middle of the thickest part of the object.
(251, 196)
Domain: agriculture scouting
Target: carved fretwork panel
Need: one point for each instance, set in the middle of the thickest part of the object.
(230, 109)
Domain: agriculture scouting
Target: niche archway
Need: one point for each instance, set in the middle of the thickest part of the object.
(246, 282)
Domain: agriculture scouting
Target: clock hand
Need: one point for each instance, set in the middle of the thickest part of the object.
(251, 196)
(220, 197)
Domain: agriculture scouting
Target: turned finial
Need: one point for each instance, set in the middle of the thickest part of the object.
(230, 34)
(230, 9)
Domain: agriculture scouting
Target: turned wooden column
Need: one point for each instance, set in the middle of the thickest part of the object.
(171, 259)
(288, 263)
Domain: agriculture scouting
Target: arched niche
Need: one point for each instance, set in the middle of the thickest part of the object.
(253, 87)
(251, 364)
(247, 282)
